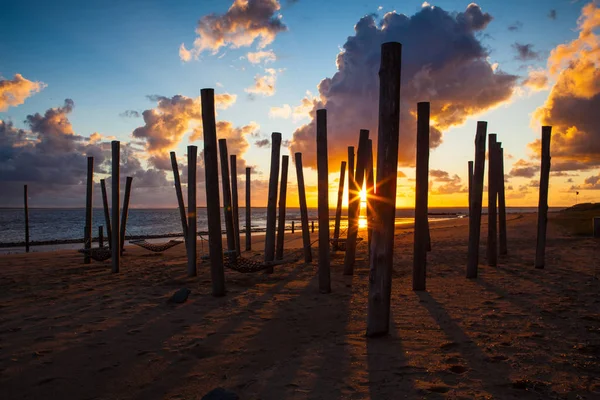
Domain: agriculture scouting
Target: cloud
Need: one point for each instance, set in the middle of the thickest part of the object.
(264, 84)
(437, 75)
(14, 92)
(515, 26)
(261, 56)
(552, 14)
(525, 52)
(536, 80)
(439, 176)
(590, 183)
(574, 100)
(297, 113)
(245, 22)
(451, 184)
(263, 143)
(130, 114)
(524, 169)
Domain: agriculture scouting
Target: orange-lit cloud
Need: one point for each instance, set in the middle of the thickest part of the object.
(298, 112)
(14, 92)
(536, 80)
(264, 84)
(261, 56)
(524, 169)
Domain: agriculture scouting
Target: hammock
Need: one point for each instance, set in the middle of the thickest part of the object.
(97, 253)
(156, 247)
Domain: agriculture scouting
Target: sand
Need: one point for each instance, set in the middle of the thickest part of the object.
(74, 331)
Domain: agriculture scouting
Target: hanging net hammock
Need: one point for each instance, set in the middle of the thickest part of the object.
(97, 253)
(156, 247)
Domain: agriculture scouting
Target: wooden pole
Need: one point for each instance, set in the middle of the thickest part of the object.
(540, 248)
(421, 232)
(213, 206)
(492, 241)
(282, 194)
(476, 200)
(359, 176)
(338, 210)
(351, 184)
(25, 200)
(303, 208)
(272, 201)
(312, 226)
(106, 212)
(192, 211)
(100, 236)
(470, 177)
(226, 186)
(125, 212)
(323, 202)
(380, 276)
(116, 232)
(292, 227)
(370, 193)
(501, 202)
(179, 193)
(235, 206)
(87, 237)
(248, 211)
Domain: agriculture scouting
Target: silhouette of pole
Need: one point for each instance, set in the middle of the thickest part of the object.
(26, 208)
(282, 198)
(272, 201)
(179, 193)
(213, 206)
(192, 210)
(106, 212)
(100, 236)
(470, 177)
(540, 249)
(303, 208)
(492, 244)
(421, 232)
(380, 275)
(88, 210)
(476, 200)
(226, 185)
(323, 202)
(370, 193)
(351, 189)
(235, 206)
(338, 209)
(125, 211)
(116, 232)
(248, 211)
(501, 201)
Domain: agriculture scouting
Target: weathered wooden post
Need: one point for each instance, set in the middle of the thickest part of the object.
(470, 178)
(125, 211)
(106, 212)
(213, 206)
(282, 199)
(272, 201)
(501, 201)
(370, 193)
(421, 232)
(359, 176)
(382, 252)
(323, 202)
(192, 210)
(100, 236)
(248, 211)
(116, 232)
(303, 208)
(338, 209)
(87, 237)
(226, 185)
(293, 227)
(492, 241)
(351, 189)
(235, 206)
(25, 199)
(540, 249)
(476, 200)
(312, 226)
(179, 193)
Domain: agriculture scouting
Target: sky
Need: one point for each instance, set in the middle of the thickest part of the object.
(76, 75)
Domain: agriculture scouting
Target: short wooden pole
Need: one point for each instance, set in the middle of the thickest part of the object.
(323, 202)
(235, 205)
(88, 209)
(421, 231)
(338, 209)
(106, 212)
(293, 227)
(540, 249)
(381, 262)
(125, 211)
(476, 200)
(492, 241)
(100, 236)
(370, 194)
(312, 226)
(179, 193)
(192, 154)
(359, 176)
(226, 186)
(282, 199)
(116, 232)
(26, 207)
(501, 202)
(303, 208)
(272, 200)
(248, 211)
(213, 206)
(470, 178)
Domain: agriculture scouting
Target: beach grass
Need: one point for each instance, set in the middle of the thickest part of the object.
(577, 220)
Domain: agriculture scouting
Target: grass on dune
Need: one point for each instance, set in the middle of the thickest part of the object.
(577, 220)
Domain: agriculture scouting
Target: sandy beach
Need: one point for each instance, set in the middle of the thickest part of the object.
(75, 331)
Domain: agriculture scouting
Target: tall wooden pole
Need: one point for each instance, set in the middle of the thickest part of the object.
(540, 248)
(303, 208)
(192, 210)
(382, 246)
(116, 232)
(272, 200)
(492, 242)
(359, 175)
(179, 193)
(248, 211)
(226, 185)
(351, 188)
(25, 200)
(421, 232)
(106, 212)
(338, 210)
(470, 178)
(235, 205)
(370, 194)
(476, 200)
(501, 202)
(282, 198)
(125, 211)
(323, 202)
(213, 206)
(88, 209)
